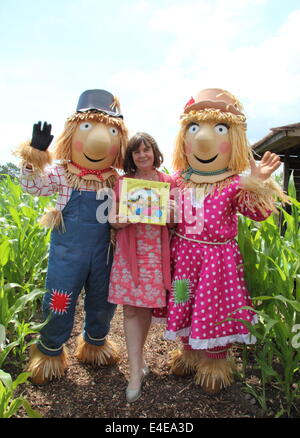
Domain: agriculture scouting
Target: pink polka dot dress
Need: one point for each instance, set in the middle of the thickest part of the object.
(208, 283)
(150, 291)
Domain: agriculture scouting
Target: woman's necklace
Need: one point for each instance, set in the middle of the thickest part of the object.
(151, 177)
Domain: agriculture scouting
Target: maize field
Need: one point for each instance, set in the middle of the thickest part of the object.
(272, 268)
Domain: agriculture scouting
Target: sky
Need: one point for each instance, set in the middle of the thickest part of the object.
(153, 54)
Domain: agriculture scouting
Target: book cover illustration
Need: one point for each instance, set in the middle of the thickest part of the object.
(144, 201)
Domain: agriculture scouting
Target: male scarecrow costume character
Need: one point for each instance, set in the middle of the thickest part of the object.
(90, 148)
(208, 283)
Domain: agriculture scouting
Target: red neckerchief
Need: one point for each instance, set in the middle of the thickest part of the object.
(85, 171)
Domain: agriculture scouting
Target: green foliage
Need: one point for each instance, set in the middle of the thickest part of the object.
(23, 263)
(272, 272)
(9, 169)
(24, 249)
(23, 243)
(165, 170)
(9, 406)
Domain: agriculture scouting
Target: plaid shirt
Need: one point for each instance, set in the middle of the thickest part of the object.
(52, 181)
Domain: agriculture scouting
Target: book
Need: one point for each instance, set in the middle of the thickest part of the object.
(144, 201)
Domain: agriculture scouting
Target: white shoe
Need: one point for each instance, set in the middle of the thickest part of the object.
(133, 394)
(146, 370)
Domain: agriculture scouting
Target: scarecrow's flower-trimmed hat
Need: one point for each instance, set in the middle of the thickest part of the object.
(215, 98)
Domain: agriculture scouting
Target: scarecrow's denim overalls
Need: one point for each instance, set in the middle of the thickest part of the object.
(78, 259)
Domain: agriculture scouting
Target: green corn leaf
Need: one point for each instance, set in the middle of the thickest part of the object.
(6, 379)
(27, 211)
(6, 351)
(279, 270)
(4, 252)
(21, 302)
(12, 286)
(15, 216)
(22, 378)
(2, 399)
(268, 370)
(2, 336)
(30, 412)
(13, 407)
(269, 325)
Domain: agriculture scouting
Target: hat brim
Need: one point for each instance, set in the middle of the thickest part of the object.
(207, 104)
(109, 113)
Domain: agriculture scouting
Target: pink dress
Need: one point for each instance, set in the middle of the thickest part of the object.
(141, 283)
(208, 283)
(150, 291)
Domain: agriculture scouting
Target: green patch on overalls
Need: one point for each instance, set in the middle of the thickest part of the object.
(181, 290)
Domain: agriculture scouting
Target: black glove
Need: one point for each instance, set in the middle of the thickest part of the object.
(41, 137)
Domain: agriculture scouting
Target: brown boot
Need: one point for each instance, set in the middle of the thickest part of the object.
(184, 362)
(214, 374)
(106, 354)
(46, 368)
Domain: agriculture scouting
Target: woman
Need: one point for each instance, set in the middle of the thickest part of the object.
(141, 269)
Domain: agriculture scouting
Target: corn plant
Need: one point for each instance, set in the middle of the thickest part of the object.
(9, 405)
(23, 243)
(23, 263)
(272, 271)
(12, 321)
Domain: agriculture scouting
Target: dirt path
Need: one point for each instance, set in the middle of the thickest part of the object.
(88, 392)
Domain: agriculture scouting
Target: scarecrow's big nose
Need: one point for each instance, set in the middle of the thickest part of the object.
(205, 140)
(98, 140)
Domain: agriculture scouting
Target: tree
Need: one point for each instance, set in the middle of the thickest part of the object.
(9, 169)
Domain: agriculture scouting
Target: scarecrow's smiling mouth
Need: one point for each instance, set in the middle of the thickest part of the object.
(206, 161)
(90, 159)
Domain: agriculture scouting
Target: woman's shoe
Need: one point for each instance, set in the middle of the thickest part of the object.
(133, 394)
(146, 370)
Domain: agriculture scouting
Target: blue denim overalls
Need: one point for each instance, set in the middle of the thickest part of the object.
(78, 259)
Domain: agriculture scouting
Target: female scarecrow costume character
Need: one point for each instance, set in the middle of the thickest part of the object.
(89, 149)
(208, 283)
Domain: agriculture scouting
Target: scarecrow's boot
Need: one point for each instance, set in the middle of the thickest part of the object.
(45, 368)
(184, 362)
(106, 354)
(215, 370)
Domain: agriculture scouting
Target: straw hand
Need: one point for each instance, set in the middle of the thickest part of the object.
(268, 164)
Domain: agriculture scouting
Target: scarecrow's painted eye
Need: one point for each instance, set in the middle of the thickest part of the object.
(85, 126)
(194, 128)
(221, 129)
(113, 131)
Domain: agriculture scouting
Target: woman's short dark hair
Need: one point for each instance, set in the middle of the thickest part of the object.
(133, 145)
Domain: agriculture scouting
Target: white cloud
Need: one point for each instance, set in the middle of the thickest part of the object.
(200, 27)
(206, 37)
(205, 52)
(207, 44)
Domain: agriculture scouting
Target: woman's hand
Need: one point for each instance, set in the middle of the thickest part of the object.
(171, 213)
(118, 222)
(268, 164)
